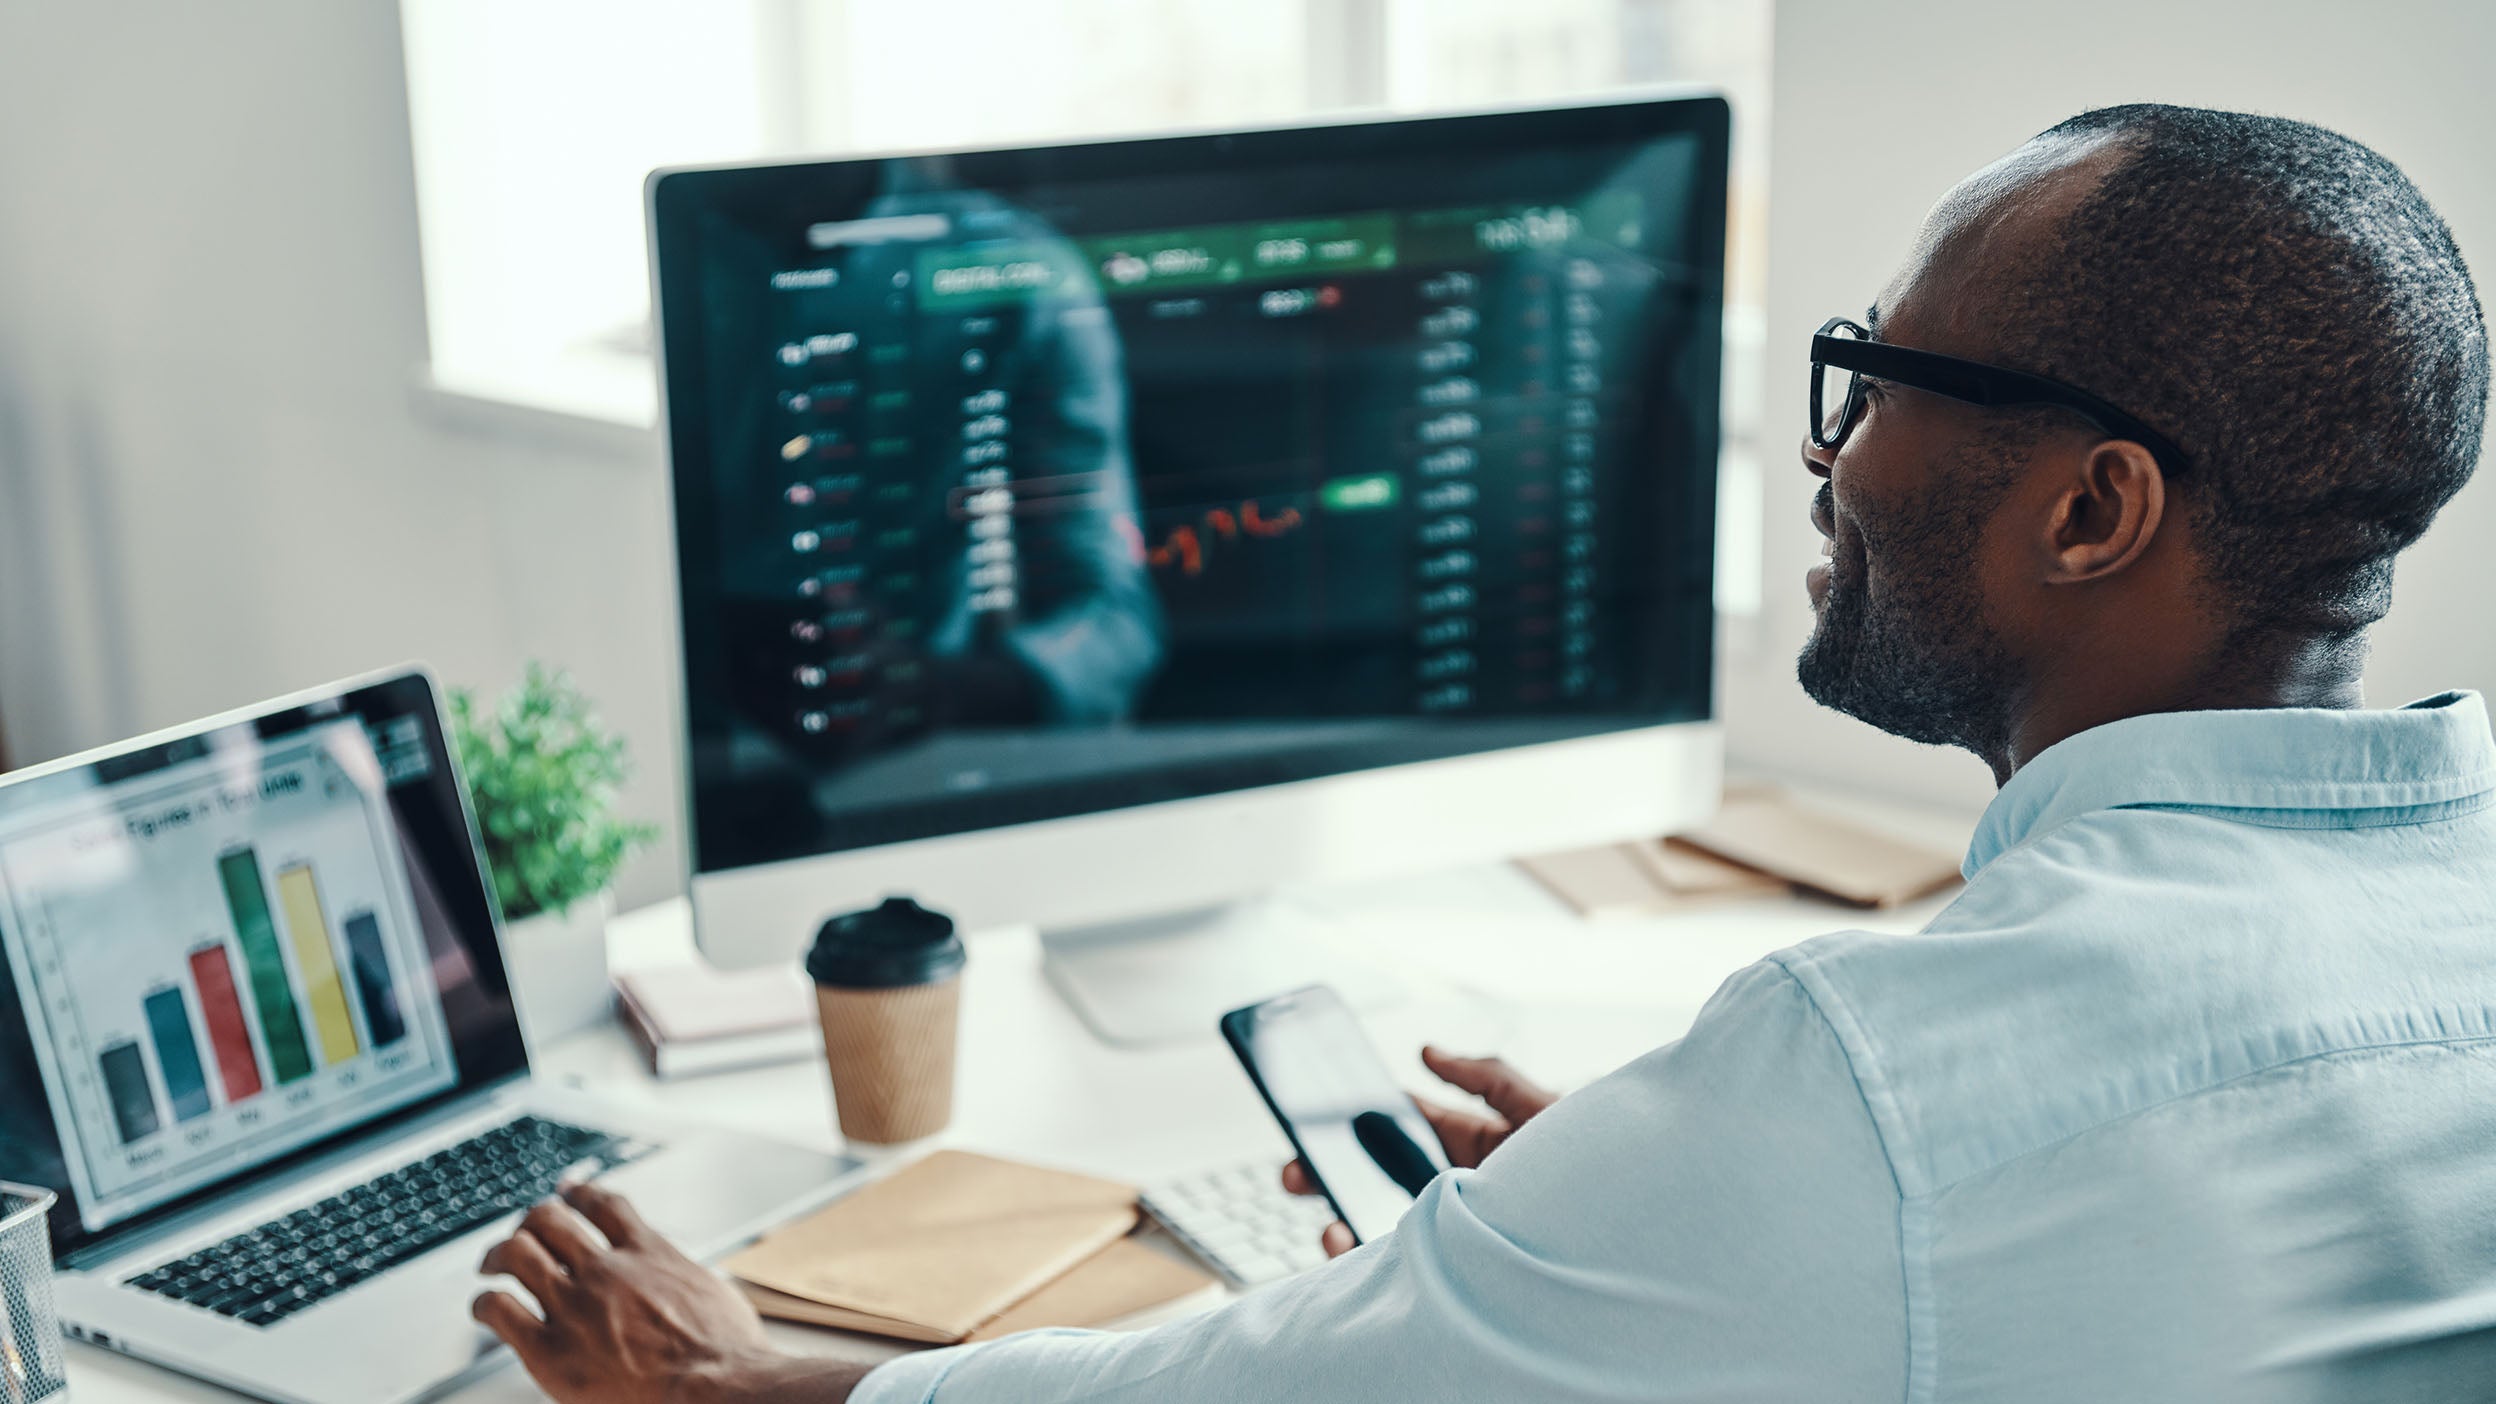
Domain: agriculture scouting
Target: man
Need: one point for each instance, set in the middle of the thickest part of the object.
(2191, 1095)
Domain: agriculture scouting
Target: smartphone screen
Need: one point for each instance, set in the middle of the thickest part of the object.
(1353, 1126)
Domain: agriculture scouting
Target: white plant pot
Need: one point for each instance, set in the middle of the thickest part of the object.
(558, 965)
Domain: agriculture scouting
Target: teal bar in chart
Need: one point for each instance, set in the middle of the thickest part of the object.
(177, 1053)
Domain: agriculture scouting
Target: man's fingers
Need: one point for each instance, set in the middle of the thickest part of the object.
(525, 1260)
(1448, 1120)
(1336, 1240)
(515, 1325)
(1465, 1136)
(567, 1236)
(1298, 1180)
(1486, 1078)
(614, 1216)
(1491, 1080)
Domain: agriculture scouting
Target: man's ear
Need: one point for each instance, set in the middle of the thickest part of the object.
(2106, 515)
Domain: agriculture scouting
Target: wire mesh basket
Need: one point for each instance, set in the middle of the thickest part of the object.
(30, 1329)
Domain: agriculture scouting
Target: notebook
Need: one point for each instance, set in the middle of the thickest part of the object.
(695, 1019)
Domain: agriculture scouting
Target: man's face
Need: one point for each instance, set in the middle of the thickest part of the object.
(1901, 639)
(1906, 634)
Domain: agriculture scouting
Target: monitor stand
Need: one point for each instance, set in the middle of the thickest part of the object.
(1170, 978)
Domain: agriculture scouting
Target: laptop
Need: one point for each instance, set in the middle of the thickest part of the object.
(256, 1029)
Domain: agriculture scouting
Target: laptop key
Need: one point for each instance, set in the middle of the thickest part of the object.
(228, 1302)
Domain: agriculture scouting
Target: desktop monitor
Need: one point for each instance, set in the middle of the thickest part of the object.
(1098, 535)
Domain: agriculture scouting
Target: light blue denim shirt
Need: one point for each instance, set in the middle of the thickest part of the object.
(2191, 1095)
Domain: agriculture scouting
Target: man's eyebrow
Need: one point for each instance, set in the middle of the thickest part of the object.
(1872, 322)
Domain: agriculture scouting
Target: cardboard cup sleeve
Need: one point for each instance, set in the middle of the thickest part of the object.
(891, 1057)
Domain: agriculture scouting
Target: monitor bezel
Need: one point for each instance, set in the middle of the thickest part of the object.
(676, 195)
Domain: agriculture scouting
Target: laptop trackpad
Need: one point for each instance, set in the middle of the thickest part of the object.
(710, 1192)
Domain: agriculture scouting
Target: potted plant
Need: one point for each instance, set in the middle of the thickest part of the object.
(542, 772)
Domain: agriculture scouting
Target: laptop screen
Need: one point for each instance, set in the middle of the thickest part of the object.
(231, 948)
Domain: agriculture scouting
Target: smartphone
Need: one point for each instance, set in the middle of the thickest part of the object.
(1361, 1137)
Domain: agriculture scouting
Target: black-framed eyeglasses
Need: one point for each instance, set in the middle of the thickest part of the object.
(1843, 354)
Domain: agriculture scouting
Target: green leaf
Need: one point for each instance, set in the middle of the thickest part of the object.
(542, 772)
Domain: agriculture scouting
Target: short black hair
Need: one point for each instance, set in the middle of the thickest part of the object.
(2282, 302)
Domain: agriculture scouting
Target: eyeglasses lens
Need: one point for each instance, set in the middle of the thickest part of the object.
(1832, 395)
(1829, 400)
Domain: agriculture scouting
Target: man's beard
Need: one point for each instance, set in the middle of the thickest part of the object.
(1918, 661)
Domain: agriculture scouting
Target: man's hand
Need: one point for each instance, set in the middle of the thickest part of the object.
(1467, 1137)
(627, 1318)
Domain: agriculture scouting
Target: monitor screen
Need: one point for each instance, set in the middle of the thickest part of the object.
(226, 950)
(1015, 485)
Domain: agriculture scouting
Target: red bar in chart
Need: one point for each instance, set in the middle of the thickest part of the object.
(213, 974)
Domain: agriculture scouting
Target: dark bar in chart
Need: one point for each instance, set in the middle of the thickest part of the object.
(177, 1053)
(281, 1025)
(125, 1082)
(372, 980)
(212, 974)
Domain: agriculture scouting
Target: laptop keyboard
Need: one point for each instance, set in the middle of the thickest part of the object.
(288, 1265)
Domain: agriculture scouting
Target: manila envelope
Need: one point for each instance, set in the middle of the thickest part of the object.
(1852, 862)
(936, 1251)
(1123, 1280)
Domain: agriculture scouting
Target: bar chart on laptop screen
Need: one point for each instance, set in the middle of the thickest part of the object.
(227, 961)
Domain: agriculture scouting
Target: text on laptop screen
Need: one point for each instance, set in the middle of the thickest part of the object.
(227, 949)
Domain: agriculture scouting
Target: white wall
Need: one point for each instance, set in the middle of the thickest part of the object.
(1879, 108)
(215, 484)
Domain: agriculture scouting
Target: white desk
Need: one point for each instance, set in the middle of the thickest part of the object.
(1493, 962)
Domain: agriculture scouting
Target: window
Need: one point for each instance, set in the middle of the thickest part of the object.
(535, 121)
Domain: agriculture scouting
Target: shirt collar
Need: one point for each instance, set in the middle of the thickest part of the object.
(2434, 751)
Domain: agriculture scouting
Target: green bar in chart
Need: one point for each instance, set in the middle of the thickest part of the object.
(281, 1025)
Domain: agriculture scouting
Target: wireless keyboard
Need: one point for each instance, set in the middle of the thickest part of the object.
(1241, 1222)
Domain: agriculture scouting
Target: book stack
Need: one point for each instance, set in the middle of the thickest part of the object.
(694, 1019)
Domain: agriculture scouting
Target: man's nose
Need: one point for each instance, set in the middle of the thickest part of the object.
(1816, 459)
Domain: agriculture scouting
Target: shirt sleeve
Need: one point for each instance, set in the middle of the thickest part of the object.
(1715, 1221)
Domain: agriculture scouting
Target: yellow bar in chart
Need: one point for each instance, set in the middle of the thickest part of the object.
(315, 957)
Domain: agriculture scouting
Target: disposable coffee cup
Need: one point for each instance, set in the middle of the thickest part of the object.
(888, 985)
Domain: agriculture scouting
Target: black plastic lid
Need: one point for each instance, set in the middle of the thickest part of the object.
(897, 944)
